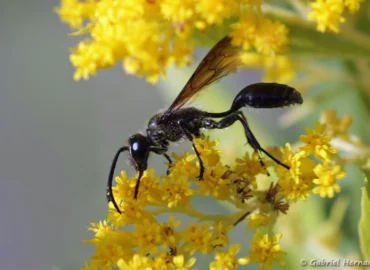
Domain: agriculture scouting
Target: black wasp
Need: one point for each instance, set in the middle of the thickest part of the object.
(178, 123)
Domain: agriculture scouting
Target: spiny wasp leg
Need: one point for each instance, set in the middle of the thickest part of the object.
(188, 135)
(257, 147)
(241, 114)
(231, 119)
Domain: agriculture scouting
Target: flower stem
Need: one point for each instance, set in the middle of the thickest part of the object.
(231, 219)
(307, 41)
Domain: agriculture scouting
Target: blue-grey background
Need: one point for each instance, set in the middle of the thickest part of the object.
(57, 138)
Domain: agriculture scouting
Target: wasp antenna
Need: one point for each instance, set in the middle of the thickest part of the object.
(110, 196)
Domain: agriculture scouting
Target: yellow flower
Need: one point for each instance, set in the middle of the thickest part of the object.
(271, 37)
(149, 236)
(317, 142)
(171, 236)
(207, 150)
(138, 262)
(327, 180)
(100, 229)
(266, 36)
(177, 192)
(108, 248)
(243, 32)
(214, 183)
(165, 245)
(105, 233)
(335, 126)
(280, 69)
(227, 260)
(327, 14)
(122, 190)
(249, 167)
(353, 5)
(296, 182)
(215, 11)
(197, 238)
(150, 191)
(179, 11)
(150, 188)
(127, 31)
(74, 12)
(92, 266)
(266, 250)
(293, 191)
(89, 56)
(149, 36)
(183, 166)
(131, 32)
(162, 260)
(257, 220)
(179, 261)
(220, 237)
(181, 52)
(133, 210)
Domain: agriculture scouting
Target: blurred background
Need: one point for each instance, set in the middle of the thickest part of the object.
(58, 137)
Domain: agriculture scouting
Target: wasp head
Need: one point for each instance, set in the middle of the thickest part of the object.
(139, 149)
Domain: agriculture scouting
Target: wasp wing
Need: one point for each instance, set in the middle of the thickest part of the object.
(220, 61)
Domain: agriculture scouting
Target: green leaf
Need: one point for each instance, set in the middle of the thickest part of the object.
(364, 224)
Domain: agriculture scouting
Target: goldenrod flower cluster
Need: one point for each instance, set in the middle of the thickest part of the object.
(140, 238)
(329, 13)
(148, 36)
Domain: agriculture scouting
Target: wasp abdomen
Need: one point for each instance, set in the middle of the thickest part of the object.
(266, 95)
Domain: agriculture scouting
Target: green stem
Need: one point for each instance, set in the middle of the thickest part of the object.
(307, 41)
(192, 212)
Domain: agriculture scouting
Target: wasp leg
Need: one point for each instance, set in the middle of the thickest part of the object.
(228, 121)
(187, 131)
(161, 150)
(138, 184)
(241, 114)
(169, 161)
(241, 218)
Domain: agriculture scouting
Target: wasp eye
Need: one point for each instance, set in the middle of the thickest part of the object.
(135, 146)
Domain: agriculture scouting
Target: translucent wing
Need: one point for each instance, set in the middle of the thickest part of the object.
(220, 61)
